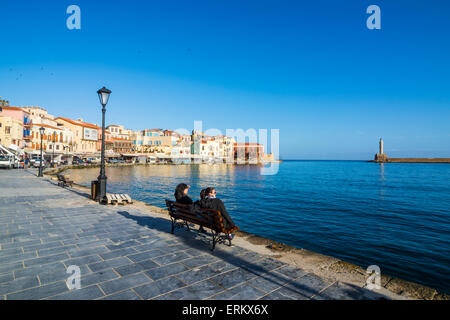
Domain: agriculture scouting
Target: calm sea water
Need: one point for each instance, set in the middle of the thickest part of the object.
(396, 216)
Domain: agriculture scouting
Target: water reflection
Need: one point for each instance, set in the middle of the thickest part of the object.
(382, 182)
(154, 183)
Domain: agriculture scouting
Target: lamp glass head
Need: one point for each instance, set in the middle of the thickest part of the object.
(103, 95)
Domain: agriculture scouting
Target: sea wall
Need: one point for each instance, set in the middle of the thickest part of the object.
(414, 160)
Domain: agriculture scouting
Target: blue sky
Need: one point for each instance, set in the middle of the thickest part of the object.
(308, 68)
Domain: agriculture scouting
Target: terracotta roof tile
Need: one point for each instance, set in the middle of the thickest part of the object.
(79, 123)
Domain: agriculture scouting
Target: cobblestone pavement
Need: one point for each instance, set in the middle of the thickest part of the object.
(123, 253)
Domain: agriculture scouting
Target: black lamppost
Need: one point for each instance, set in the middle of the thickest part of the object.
(103, 95)
(41, 131)
(65, 148)
(53, 143)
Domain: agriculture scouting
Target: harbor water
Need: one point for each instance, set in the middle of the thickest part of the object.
(394, 215)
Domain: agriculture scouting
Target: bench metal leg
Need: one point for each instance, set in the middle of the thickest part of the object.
(173, 226)
(215, 238)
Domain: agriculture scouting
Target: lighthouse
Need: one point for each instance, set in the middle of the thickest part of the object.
(380, 156)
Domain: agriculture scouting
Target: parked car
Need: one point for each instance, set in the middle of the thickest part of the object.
(77, 161)
(33, 159)
(92, 161)
(6, 161)
(37, 163)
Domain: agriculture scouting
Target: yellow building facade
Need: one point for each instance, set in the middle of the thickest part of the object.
(85, 135)
(11, 131)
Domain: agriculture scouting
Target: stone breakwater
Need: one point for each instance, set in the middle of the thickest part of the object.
(414, 160)
(127, 252)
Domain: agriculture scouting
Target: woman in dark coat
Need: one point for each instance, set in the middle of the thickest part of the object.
(181, 196)
(181, 192)
(211, 202)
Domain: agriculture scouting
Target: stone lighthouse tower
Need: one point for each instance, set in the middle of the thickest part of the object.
(380, 156)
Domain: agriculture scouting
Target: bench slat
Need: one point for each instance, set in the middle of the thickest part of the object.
(190, 217)
(202, 216)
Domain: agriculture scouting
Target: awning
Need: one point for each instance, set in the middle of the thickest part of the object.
(130, 155)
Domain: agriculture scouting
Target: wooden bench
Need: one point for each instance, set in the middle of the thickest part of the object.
(207, 218)
(64, 181)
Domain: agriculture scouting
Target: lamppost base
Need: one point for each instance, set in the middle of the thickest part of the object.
(101, 188)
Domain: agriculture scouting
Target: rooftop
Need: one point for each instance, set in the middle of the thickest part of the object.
(79, 123)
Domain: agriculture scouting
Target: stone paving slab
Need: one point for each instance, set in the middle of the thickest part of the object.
(126, 254)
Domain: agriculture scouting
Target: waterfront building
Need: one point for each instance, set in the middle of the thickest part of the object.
(185, 138)
(217, 149)
(57, 142)
(196, 140)
(121, 146)
(154, 141)
(11, 131)
(16, 125)
(37, 116)
(181, 152)
(85, 136)
(226, 148)
(248, 152)
(118, 131)
(109, 144)
(209, 149)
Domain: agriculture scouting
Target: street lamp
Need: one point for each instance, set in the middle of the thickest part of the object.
(41, 131)
(103, 95)
(53, 143)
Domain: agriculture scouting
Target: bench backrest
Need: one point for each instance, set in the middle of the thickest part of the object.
(63, 178)
(205, 217)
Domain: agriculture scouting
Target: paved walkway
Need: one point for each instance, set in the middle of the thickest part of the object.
(125, 254)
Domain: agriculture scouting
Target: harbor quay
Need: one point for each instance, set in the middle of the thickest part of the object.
(49, 235)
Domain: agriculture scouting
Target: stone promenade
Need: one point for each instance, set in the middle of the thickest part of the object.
(125, 253)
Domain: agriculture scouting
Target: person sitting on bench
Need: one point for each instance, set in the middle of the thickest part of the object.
(198, 205)
(211, 202)
(181, 192)
(181, 196)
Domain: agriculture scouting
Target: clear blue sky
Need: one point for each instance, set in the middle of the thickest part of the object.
(309, 68)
